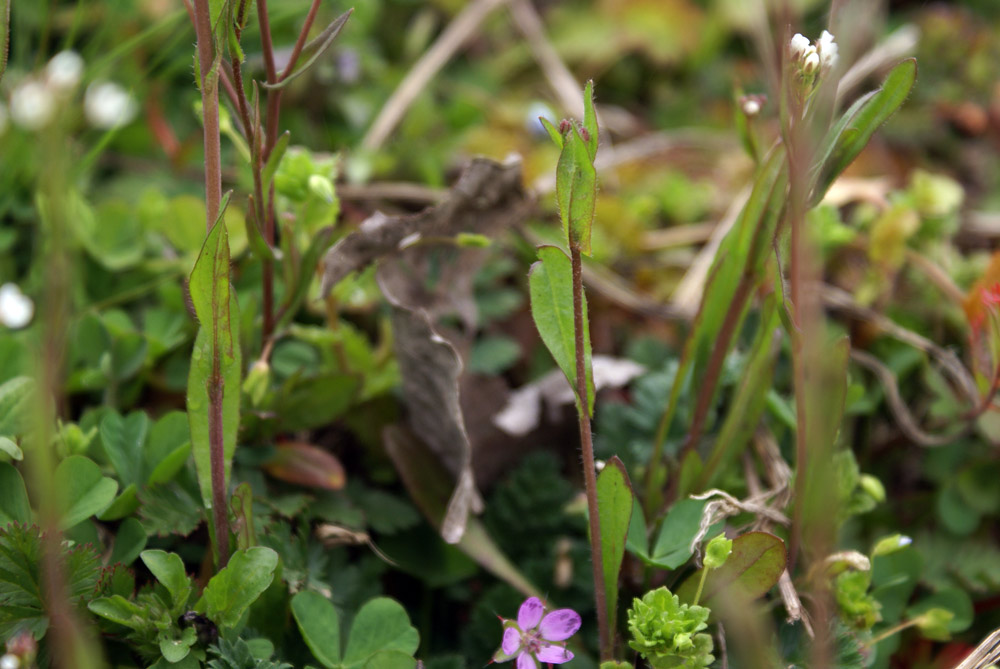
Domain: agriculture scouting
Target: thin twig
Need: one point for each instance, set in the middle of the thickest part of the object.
(453, 37)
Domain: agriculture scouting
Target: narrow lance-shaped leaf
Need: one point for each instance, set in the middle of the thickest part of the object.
(214, 379)
(552, 130)
(576, 189)
(855, 128)
(312, 51)
(273, 160)
(614, 507)
(550, 284)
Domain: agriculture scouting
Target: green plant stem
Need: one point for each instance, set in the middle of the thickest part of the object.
(895, 629)
(587, 448)
(701, 585)
(213, 197)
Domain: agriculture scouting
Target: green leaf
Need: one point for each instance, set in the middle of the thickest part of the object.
(754, 566)
(552, 130)
(614, 509)
(130, 539)
(673, 544)
(214, 380)
(493, 355)
(576, 190)
(175, 650)
(855, 128)
(170, 509)
(381, 625)
(273, 160)
(83, 491)
(305, 275)
(550, 284)
(123, 440)
(747, 407)
(168, 569)
(637, 540)
(313, 50)
(390, 659)
(316, 401)
(10, 449)
(319, 625)
(14, 507)
(238, 585)
(167, 448)
(15, 405)
(119, 610)
(954, 600)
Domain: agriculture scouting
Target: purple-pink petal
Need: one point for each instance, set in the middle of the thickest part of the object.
(559, 625)
(530, 613)
(553, 654)
(525, 661)
(511, 641)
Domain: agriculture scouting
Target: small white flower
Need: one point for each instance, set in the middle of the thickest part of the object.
(751, 107)
(828, 50)
(905, 540)
(798, 45)
(16, 308)
(32, 105)
(64, 71)
(108, 105)
(10, 661)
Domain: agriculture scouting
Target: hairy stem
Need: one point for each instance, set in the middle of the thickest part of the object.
(587, 447)
(210, 109)
(213, 197)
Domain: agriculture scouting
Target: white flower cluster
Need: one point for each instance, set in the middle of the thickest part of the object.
(36, 99)
(811, 58)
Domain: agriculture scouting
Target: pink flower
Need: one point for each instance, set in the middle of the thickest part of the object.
(534, 638)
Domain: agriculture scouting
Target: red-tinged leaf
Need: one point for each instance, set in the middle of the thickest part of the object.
(306, 465)
(754, 566)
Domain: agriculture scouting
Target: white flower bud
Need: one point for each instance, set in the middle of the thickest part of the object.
(828, 50)
(64, 71)
(798, 45)
(751, 107)
(108, 105)
(32, 105)
(811, 62)
(16, 308)
(10, 661)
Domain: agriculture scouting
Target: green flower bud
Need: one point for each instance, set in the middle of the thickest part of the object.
(717, 551)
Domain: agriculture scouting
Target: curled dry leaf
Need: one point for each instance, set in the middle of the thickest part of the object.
(487, 198)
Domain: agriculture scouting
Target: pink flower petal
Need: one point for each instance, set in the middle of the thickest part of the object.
(530, 613)
(560, 625)
(511, 641)
(525, 661)
(554, 654)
